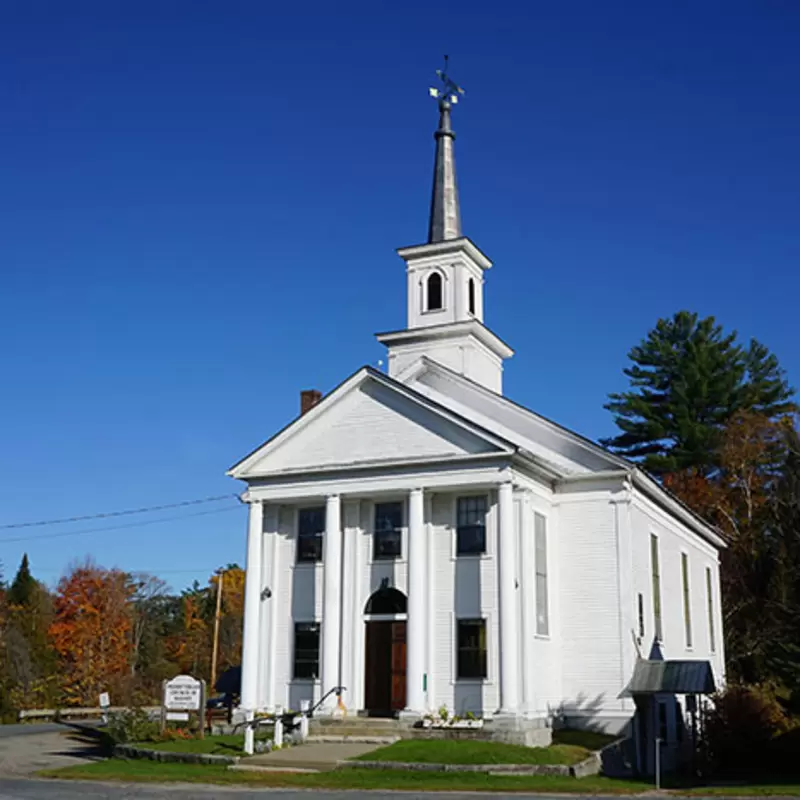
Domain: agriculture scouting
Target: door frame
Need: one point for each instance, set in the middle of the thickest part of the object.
(366, 620)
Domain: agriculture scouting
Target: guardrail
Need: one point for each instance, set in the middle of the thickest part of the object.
(26, 715)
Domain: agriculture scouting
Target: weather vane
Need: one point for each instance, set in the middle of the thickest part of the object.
(450, 89)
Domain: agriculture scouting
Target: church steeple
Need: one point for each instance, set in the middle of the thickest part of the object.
(445, 220)
(446, 279)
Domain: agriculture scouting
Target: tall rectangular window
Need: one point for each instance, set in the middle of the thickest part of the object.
(310, 530)
(710, 603)
(655, 571)
(471, 525)
(471, 654)
(641, 615)
(687, 600)
(306, 650)
(540, 536)
(388, 536)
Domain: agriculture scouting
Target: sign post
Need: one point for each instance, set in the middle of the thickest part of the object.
(182, 697)
(105, 704)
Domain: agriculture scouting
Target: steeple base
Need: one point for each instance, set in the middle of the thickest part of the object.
(468, 348)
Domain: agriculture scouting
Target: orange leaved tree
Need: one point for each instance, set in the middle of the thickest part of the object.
(91, 631)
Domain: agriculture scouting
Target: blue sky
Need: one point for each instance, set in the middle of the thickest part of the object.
(200, 203)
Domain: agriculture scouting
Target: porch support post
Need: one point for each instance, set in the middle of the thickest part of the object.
(252, 608)
(509, 631)
(331, 597)
(417, 626)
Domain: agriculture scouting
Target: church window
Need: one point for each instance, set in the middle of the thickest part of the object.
(687, 602)
(471, 525)
(388, 536)
(310, 530)
(471, 659)
(540, 536)
(710, 603)
(435, 292)
(656, 578)
(471, 293)
(306, 650)
(641, 615)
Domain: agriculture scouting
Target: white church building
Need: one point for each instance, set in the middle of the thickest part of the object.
(420, 540)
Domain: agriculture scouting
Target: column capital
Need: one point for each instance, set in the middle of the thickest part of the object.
(417, 490)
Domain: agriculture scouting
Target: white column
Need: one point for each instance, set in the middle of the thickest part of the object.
(252, 608)
(527, 591)
(331, 596)
(417, 625)
(507, 565)
(351, 664)
(269, 607)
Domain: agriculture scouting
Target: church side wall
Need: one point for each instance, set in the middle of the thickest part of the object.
(675, 538)
(591, 645)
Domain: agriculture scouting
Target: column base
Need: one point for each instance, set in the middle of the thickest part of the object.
(407, 715)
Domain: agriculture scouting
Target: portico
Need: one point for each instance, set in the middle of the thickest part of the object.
(346, 551)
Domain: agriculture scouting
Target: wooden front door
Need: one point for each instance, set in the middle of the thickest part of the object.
(385, 668)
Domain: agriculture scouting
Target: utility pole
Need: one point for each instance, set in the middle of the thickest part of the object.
(217, 615)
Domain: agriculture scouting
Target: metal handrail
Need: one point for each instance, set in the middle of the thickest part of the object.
(335, 690)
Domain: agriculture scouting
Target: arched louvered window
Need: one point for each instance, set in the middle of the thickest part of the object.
(434, 292)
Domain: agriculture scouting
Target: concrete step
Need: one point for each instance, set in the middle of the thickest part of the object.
(368, 722)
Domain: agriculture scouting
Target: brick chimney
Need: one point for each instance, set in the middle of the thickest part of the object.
(308, 399)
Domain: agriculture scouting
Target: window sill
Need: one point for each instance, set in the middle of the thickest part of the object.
(307, 564)
(472, 557)
(542, 637)
(309, 681)
(472, 682)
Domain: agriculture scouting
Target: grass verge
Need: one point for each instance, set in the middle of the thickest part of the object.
(588, 739)
(468, 751)
(354, 779)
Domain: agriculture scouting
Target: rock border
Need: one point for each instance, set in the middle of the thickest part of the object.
(589, 766)
(132, 752)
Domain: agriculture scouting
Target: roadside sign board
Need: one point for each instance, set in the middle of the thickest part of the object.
(181, 697)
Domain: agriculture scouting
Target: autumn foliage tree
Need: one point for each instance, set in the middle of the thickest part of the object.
(759, 584)
(91, 631)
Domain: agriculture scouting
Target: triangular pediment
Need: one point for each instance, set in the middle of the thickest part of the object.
(369, 419)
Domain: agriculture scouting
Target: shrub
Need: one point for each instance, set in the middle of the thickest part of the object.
(741, 730)
(177, 735)
(132, 725)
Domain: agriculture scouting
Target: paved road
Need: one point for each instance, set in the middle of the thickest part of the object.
(69, 790)
(42, 747)
(29, 730)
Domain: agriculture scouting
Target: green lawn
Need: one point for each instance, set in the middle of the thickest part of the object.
(355, 779)
(588, 739)
(469, 751)
(231, 745)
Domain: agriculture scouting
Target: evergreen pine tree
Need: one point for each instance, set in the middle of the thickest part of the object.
(688, 378)
(24, 588)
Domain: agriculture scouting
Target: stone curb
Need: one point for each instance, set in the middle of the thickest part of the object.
(589, 766)
(129, 751)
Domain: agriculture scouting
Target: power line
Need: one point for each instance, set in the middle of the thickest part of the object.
(199, 570)
(126, 513)
(117, 527)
